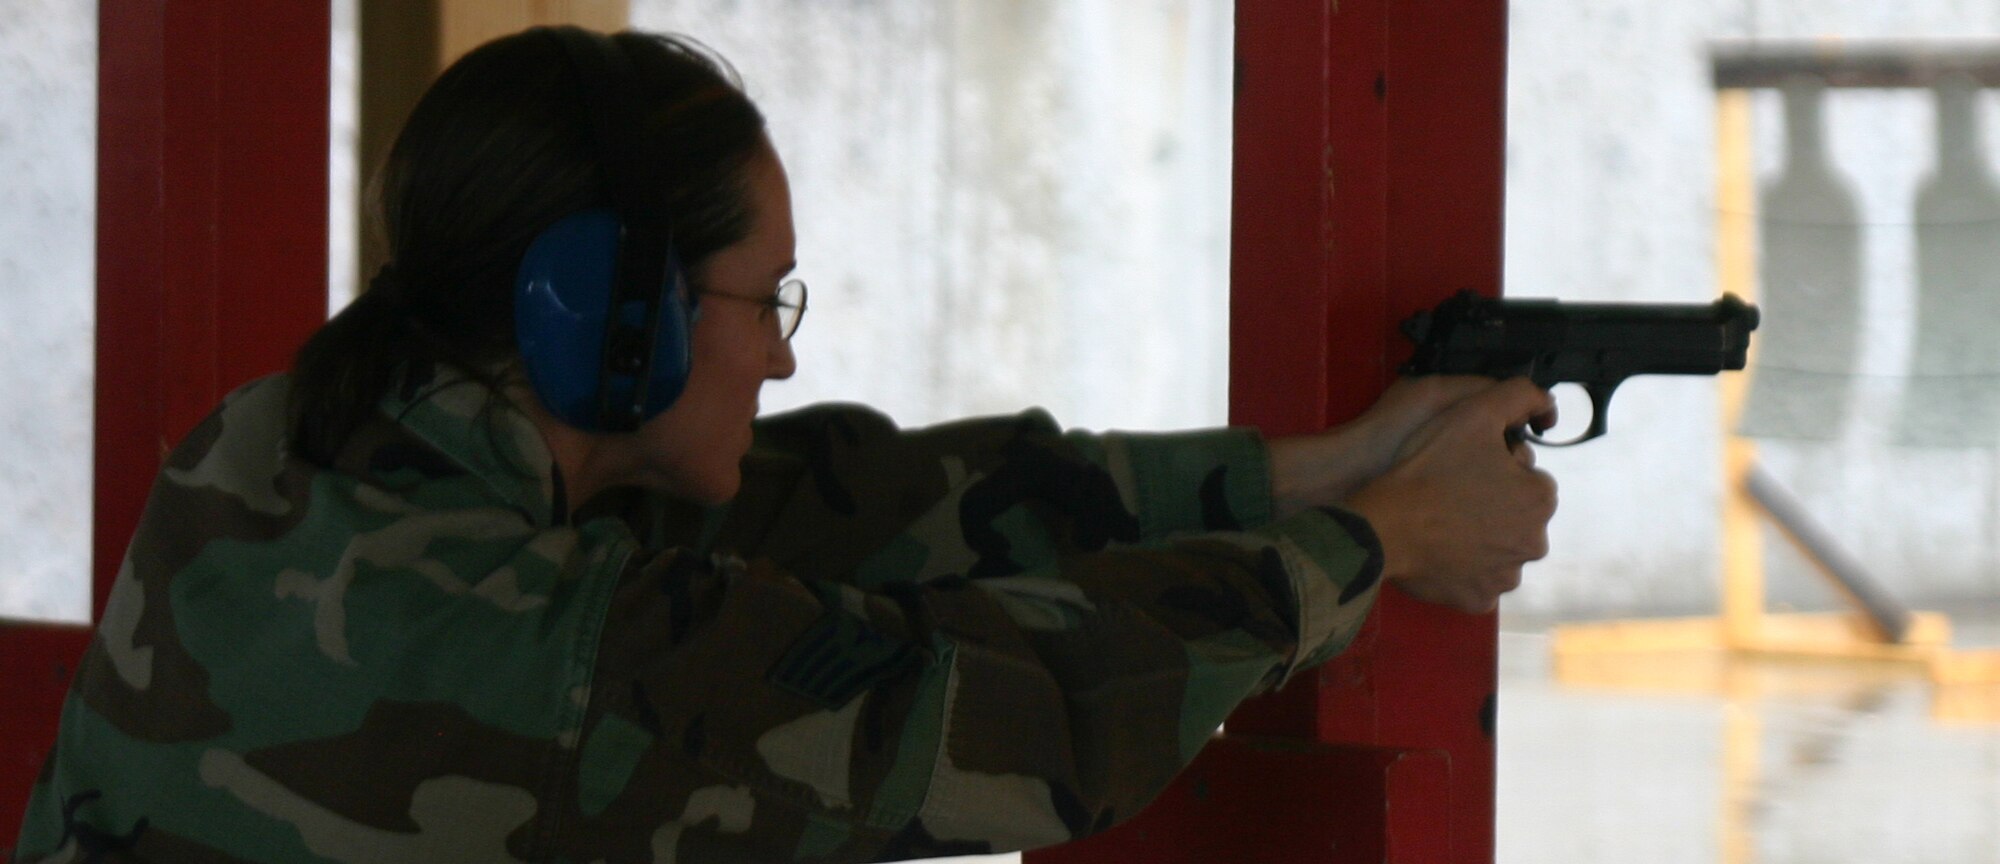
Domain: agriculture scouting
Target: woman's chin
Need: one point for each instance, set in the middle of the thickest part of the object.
(710, 491)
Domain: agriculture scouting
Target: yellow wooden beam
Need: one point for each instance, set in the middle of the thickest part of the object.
(1736, 273)
(1969, 669)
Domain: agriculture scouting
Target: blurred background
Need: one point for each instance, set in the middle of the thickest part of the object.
(1004, 204)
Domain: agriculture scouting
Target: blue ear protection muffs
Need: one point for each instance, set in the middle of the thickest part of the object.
(602, 308)
(600, 359)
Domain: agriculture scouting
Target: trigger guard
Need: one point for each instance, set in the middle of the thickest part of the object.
(1600, 404)
(1588, 434)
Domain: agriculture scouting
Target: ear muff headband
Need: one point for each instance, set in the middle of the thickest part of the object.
(602, 309)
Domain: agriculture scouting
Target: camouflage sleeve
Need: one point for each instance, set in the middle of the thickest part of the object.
(838, 492)
(975, 638)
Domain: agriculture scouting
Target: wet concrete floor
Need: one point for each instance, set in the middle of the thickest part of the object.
(1740, 761)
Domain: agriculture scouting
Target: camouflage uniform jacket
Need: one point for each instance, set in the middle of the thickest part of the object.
(983, 636)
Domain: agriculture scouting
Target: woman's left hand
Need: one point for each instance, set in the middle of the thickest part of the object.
(1321, 470)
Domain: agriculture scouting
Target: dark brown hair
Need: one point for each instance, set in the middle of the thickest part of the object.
(499, 148)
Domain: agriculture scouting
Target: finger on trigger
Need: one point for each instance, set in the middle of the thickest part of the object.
(1528, 403)
(1508, 405)
(1524, 453)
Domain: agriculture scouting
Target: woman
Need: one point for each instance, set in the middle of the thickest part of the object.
(503, 571)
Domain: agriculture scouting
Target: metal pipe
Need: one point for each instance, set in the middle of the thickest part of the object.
(1739, 63)
(1889, 617)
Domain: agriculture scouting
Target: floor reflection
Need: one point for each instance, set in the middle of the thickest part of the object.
(1692, 757)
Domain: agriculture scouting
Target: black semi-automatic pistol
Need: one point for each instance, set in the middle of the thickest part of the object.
(1596, 345)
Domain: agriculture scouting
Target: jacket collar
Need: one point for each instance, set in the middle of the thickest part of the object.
(485, 434)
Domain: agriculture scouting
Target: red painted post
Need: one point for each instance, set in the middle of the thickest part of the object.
(211, 270)
(212, 223)
(1370, 148)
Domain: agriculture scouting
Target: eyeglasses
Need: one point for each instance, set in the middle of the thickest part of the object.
(787, 305)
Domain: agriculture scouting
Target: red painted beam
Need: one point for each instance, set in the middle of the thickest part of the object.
(211, 222)
(1421, 677)
(1308, 240)
(1283, 221)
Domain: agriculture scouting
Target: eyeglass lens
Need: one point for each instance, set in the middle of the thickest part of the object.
(791, 306)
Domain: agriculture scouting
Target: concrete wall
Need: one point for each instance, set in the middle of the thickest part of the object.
(48, 179)
(999, 204)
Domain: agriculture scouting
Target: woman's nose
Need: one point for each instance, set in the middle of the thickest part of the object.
(783, 362)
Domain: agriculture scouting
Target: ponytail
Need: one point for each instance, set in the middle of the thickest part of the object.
(347, 366)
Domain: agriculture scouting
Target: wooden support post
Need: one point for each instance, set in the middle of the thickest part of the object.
(1736, 271)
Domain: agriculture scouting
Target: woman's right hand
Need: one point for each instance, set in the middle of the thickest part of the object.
(1463, 509)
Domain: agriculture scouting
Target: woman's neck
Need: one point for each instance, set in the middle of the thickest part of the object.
(587, 463)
